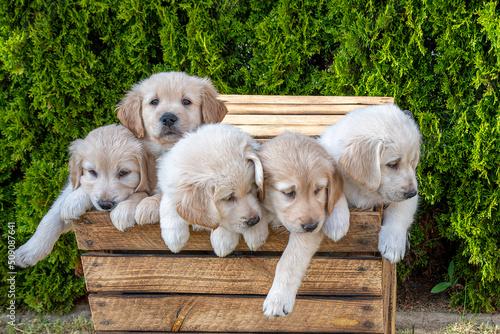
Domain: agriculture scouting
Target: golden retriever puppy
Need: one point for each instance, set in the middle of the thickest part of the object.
(106, 168)
(161, 109)
(210, 179)
(377, 149)
(302, 185)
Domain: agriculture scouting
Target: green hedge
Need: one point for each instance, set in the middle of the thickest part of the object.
(65, 65)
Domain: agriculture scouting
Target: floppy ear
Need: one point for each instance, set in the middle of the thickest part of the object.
(197, 206)
(130, 112)
(147, 164)
(335, 187)
(259, 174)
(212, 110)
(361, 160)
(75, 163)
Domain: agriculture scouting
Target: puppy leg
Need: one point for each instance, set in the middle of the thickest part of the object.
(392, 239)
(148, 211)
(289, 273)
(46, 234)
(174, 229)
(74, 204)
(123, 214)
(256, 236)
(224, 241)
(337, 224)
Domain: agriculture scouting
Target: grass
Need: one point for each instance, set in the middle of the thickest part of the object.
(77, 325)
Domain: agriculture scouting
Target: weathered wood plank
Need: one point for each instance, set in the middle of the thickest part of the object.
(268, 109)
(233, 275)
(232, 314)
(276, 120)
(389, 290)
(288, 99)
(94, 231)
(264, 131)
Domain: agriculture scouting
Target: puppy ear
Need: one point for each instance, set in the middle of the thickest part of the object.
(335, 187)
(197, 206)
(75, 163)
(212, 110)
(147, 164)
(361, 160)
(259, 174)
(130, 112)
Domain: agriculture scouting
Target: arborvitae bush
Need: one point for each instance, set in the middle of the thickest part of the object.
(65, 65)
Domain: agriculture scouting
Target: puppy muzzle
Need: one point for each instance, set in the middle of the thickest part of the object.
(106, 205)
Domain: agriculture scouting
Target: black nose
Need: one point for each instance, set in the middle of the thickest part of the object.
(410, 194)
(253, 221)
(168, 119)
(310, 227)
(106, 205)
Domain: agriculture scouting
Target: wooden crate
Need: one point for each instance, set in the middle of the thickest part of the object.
(137, 285)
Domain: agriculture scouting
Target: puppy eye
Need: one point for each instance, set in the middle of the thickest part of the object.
(393, 164)
(186, 102)
(93, 172)
(124, 173)
(317, 190)
(154, 102)
(231, 198)
(290, 194)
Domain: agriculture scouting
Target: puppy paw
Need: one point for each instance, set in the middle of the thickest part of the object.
(224, 241)
(27, 255)
(278, 303)
(256, 236)
(148, 211)
(122, 216)
(392, 243)
(175, 239)
(336, 226)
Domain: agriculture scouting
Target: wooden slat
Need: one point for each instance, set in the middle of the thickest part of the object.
(282, 119)
(291, 109)
(288, 99)
(94, 231)
(233, 275)
(264, 131)
(389, 290)
(232, 314)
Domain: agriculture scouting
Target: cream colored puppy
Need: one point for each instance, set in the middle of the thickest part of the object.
(377, 149)
(302, 185)
(210, 179)
(160, 110)
(106, 167)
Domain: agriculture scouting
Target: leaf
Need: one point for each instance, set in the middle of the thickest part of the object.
(451, 270)
(441, 287)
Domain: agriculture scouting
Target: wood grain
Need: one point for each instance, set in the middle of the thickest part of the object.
(234, 275)
(201, 313)
(315, 100)
(95, 231)
(389, 290)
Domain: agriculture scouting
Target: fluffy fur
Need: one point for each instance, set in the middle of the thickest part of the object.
(161, 109)
(302, 185)
(106, 168)
(210, 179)
(377, 149)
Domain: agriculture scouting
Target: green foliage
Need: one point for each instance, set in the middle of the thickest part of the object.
(65, 65)
(452, 280)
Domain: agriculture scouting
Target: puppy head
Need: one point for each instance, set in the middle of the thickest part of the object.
(221, 177)
(383, 153)
(302, 182)
(168, 104)
(110, 164)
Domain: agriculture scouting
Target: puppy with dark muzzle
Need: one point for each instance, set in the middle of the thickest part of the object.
(107, 167)
(302, 185)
